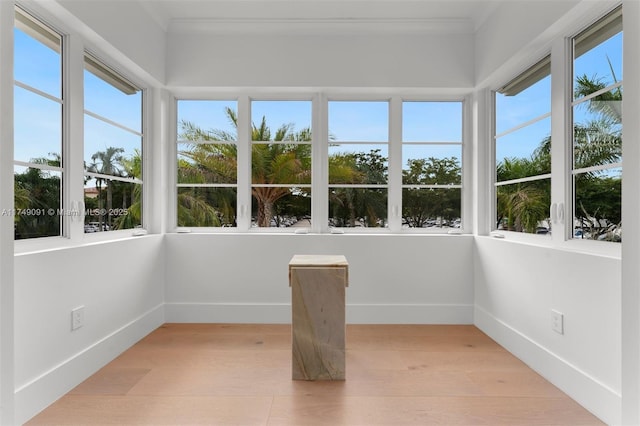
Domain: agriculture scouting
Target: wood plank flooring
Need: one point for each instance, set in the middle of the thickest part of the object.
(239, 374)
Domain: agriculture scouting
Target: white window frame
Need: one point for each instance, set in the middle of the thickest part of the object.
(73, 51)
(118, 80)
(561, 150)
(319, 146)
(519, 83)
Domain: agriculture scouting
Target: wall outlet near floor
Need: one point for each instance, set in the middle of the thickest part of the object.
(77, 318)
(557, 321)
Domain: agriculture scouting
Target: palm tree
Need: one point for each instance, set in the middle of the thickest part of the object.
(598, 142)
(132, 168)
(276, 163)
(107, 162)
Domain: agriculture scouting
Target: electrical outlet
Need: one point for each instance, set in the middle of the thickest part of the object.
(77, 318)
(557, 321)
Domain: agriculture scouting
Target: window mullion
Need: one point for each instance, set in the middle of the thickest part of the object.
(319, 165)
(73, 136)
(244, 164)
(395, 165)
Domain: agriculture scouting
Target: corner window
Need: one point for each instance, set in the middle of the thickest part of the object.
(38, 129)
(523, 152)
(112, 149)
(597, 131)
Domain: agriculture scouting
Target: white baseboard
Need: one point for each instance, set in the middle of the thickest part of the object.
(36, 395)
(281, 313)
(599, 399)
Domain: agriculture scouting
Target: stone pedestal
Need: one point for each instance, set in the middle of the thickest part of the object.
(318, 316)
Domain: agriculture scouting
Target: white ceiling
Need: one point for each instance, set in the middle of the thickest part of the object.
(373, 15)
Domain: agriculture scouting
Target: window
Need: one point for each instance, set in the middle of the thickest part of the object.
(431, 164)
(358, 163)
(334, 178)
(523, 152)
(38, 128)
(207, 163)
(597, 130)
(112, 149)
(281, 139)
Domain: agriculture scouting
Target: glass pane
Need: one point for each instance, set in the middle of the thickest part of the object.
(279, 163)
(207, 120)
(359, 121)
(533, 102)
(205, 207)
(37, 205)
(598, 206)
(207, 163)
(108, 148)
(431, 208)
(280, 207)
(37, 65)
(524, 207)
(281, 120)
(111, 205)
(599, 67)
(525, 152)
(358, 207)
(109, 102)
(38, 127)
(358, 164)
(598, 130)
(432, 121)
(431, 164)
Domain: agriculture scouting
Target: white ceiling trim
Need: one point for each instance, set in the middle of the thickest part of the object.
(322, 26)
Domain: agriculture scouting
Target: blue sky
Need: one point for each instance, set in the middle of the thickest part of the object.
(38, 129)
(536, 101)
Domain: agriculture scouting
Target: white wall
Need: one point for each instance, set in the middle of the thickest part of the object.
(302, 60)
(120, 285)
(392, 279)
(516, 287)
(513, 26)
(122, 30)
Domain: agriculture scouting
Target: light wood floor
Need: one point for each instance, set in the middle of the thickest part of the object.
(215, 374)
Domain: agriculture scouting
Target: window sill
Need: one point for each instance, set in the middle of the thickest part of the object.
(46, 244)
(598, 248)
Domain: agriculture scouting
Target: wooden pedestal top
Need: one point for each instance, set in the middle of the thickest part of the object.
(311, 260)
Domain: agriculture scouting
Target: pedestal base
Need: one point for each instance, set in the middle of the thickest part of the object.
(318, 322)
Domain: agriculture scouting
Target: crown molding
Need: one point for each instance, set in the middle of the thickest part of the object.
(346, 26)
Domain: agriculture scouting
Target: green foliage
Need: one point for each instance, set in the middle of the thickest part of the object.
(422, 206)
(274, 162)
(36, 191)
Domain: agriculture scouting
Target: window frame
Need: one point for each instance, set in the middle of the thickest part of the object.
(116, 78)
(319, 147)
(72, 199)
(561, 130)
(601, 26)
(531, 76)
(44, 32)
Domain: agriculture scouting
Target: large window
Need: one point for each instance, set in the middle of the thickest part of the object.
(325, 165)
(207, 163)
(38, 109)
(597, 130)
(112, 149)
(281, 140)
(431, 164)
(358, 163)
(523, 152)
